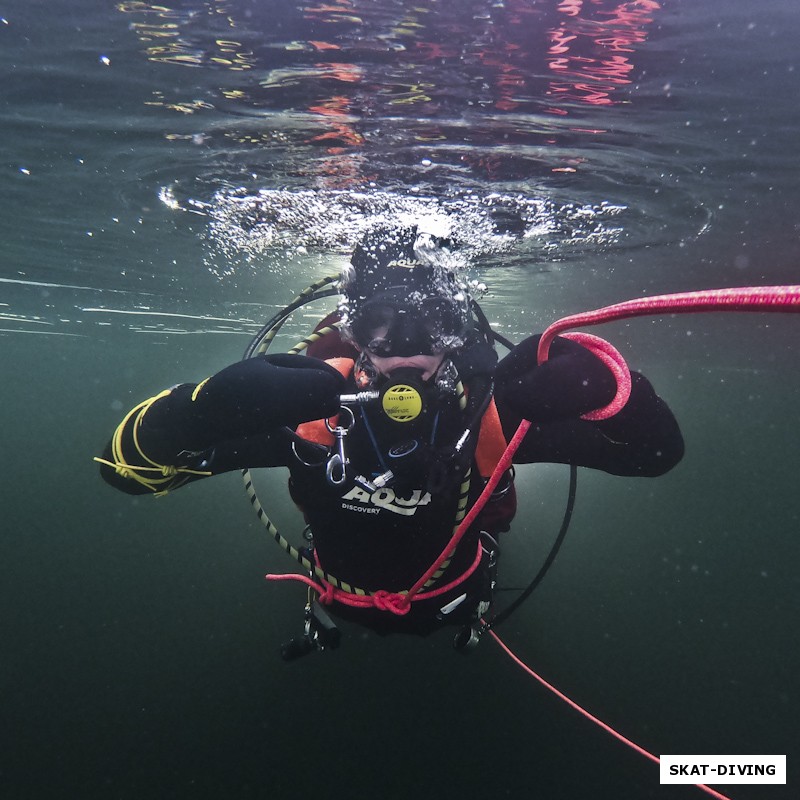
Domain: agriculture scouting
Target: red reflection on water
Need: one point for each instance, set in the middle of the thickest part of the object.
(523, 57)
(340, 132)
(589, 48)
(512, 40)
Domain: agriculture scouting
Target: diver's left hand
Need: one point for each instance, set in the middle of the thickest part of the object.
(571, 382)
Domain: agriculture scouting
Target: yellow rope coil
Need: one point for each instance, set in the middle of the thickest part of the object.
(136, 472)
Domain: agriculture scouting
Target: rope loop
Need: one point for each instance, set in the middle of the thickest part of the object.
(613, 359)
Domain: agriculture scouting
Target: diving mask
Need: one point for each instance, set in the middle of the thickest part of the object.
(394, 324)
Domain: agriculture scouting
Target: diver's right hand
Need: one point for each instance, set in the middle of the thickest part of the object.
(249, 398)
(267, 392)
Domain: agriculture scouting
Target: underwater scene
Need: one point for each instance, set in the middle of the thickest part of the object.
(175, 173)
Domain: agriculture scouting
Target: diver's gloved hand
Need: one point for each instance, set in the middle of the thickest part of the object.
(571, 382)
(249, 398)
(266, 392)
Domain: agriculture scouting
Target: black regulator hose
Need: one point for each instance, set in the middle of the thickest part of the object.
(503, 615)
(281, 317)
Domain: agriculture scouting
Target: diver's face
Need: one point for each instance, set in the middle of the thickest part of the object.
(428, 365)
(397, 332)
(395, 324)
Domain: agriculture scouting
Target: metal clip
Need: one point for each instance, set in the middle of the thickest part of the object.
(336, 468)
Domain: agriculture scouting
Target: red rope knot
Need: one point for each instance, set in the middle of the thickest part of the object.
(326, 595)
(399, 604)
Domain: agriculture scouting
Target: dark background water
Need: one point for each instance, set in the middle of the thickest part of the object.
(173, 173)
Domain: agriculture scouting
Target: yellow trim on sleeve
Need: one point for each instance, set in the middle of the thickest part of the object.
(199, 387)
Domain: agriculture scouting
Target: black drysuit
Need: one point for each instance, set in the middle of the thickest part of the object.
(384, 538)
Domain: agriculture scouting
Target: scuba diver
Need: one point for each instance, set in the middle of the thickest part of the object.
(390, 425)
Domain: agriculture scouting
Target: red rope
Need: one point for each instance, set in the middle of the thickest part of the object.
(613, 359)
(591, 717)
(503, 465)
(396, 602)
(765, 298)
(748, 298)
